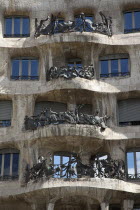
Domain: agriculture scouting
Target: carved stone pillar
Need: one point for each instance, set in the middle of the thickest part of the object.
(104, 206)
(128, 204)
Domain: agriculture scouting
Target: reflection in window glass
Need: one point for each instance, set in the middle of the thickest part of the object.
(114, 67)
(124, 66)
(130, 163)
(7, 164)
(17, 26)
(25, 26)
(132, 21)
(138, 161)
(8, 26)
(57, 160)
(34, 69)
(15, 164)
(137, 19)
(128, 20)
(25, 69)
(15, 69)
(104, 68)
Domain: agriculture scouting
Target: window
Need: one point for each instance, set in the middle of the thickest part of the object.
(25, 69)
(129, 112)
(133, 164)
(132, 22)
(75, 63)
(54, 106)
(85, 108)
(62, 160)
(17, 27)
(114, 66)
(9, 164)
(83, 23)
(5, 113)
(57, 28)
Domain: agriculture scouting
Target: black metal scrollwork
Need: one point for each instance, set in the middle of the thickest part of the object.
(70, 72)
(51, 25)
(48, 116)
(74, 168)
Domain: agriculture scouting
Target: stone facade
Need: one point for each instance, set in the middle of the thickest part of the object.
(81, 193)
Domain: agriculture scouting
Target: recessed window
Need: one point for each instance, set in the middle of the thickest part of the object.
(58, 23)
(129, 112)
(5, 113)
(75, 63)
(131, 21)
(83, 23)
(17, 27)
(133, 164)
(113, 66)
(25, 69)
(65, 162)
(9, 164)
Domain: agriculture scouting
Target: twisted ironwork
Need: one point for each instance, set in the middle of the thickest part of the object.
(52, 25)
(48, 116)
(74, 168)
(70, 72)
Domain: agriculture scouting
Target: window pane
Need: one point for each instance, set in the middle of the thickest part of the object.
(15, 69)
(25, 26)
(25, 69)
(34, 69)
(124, 66)
(8, 26)
(71, 64)
(78, 65)
(138, 161)
(17, 26)
(128, 20)
(130, 163)
(65, 160)
(7, 164)
(89, 18)
(0, 162)
(137, 19)
(56, 159)
(114, 67)
(104, 68)
(15, 164)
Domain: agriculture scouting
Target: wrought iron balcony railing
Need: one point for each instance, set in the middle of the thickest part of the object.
(70, 72)
(74, 168)
(48, 116)
(52, 25)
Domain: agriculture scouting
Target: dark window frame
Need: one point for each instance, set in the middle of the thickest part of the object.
(13, 35)
(134, 29)
(110, 74)
(62, 155)
(135, 176)
(11, 176)
(29, 77)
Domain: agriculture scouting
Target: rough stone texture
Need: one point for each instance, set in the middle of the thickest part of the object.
(84, 193)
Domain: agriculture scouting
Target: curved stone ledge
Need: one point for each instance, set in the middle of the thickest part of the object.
(118, 39)
(73, 133)
(7, 189)
(109, 85)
